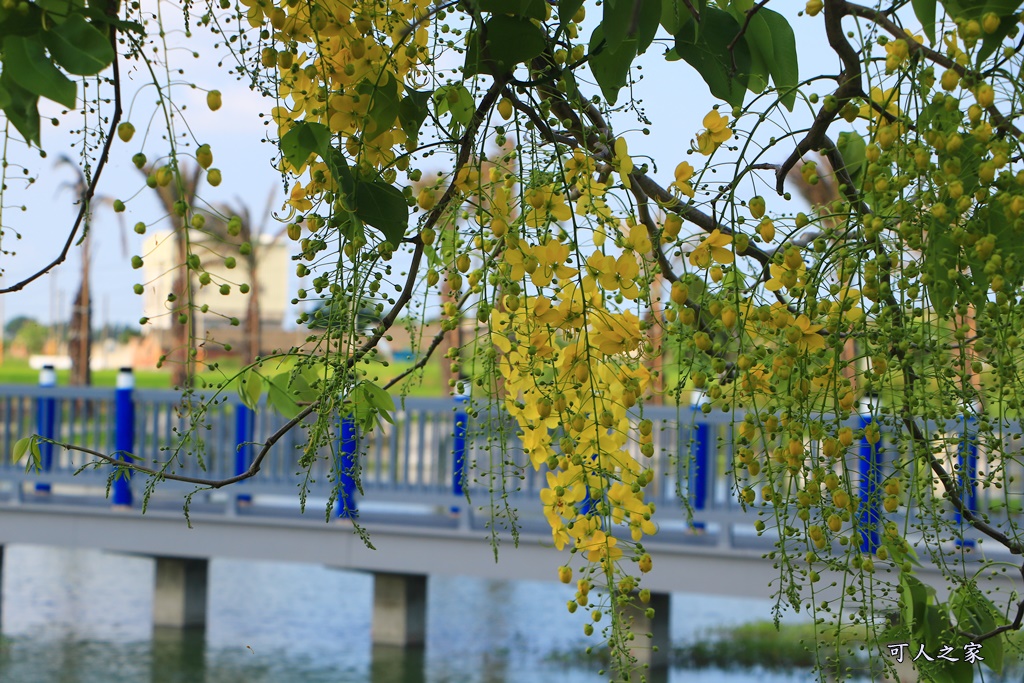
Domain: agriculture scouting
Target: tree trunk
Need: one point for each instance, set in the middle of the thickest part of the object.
(80, 332)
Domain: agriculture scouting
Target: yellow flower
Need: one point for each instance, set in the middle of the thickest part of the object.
(639, 240)
(811, 340)
(515, 263)
(683, 174)
(622, 162)
(545, 205)
(713, 247)
(551, 256)
(614, 333)
(298, 199)
(716, 131)
(885, 100)
(600, 547)
(564, 490)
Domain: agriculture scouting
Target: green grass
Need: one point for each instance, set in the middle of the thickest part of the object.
(426, 382)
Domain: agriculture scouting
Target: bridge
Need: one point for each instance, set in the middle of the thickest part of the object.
(438, 489)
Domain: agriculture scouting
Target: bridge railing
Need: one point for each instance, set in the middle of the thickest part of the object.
(437, 450)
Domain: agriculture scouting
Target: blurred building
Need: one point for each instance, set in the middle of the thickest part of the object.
(161, 265)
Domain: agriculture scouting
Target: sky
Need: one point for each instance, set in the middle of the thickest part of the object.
(672, 95)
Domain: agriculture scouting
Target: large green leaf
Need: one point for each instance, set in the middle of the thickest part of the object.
(21, 108)
(502, 43)
(942, 257)
(674, 14)
(610, 67)
(305, 138)
(383, 206)
(412, 111)
(26, 60)
(631, 19)
(531, 9)
(784, 64)
(384, 105)
(78, 46)
(705, 46)
(250, 388)
(279, 395)
(854, 152)
(925, 11)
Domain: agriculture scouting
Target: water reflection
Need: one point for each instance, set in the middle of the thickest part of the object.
(85, 617)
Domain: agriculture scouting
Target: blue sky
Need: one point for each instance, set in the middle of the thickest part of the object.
(671, 94)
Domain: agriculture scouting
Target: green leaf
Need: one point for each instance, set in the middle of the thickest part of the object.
(915, 601)
(784, 64)
(925, 11)
(29, 66)
(21, 447)
(705, 46)
(15, 22)
(384, 207)
(22, 108)
(854, 152)
(647, 24)
(412, 111)
(250, 388)
(78, 46)
(59, 9)
(567, 10)
(279, 395)
(674, 15)
(379, 398)
(941, 255)
(383, 105)
(616, 21)
(502, 43)
(631, 19)
(610, 67)
(975, 614)
(531, 9)
(303, 139)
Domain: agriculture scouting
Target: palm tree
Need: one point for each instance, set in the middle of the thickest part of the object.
(80, 329)
(180, 355)
(248, 233)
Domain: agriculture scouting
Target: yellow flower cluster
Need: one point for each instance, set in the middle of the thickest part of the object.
(337, 60)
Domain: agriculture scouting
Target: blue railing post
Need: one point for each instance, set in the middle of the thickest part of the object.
(244, 424)
(124, 433)
(459, 449)
(967, 455)
(46, 423)
(346, 463)
(870, 514)
(700, 455)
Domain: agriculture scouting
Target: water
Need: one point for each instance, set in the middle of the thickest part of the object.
(82, 616)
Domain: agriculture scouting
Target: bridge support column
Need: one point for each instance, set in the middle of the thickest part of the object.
(179, 598)
(399, 609)
(652, 645)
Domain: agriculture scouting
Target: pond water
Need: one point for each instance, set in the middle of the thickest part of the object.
(82, 616)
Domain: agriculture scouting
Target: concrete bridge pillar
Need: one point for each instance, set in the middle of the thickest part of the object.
(652, 645)
(179, 598)
(399, 609)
